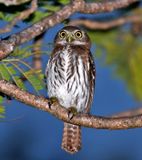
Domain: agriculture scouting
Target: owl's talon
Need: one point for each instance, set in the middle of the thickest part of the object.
(70, 115)
(49, 104)
(72, 111)
(51, 101)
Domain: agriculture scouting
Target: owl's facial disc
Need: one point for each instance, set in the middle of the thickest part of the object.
(73, 37)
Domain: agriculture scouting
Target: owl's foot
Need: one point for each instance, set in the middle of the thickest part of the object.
(72, 111)
(52, 100)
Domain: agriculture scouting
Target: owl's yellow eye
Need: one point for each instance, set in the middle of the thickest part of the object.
(78, 34)
(62, 34)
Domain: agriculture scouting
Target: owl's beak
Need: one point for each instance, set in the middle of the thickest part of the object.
(69, 38)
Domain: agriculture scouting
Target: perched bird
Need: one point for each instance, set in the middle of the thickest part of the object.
(71, 78)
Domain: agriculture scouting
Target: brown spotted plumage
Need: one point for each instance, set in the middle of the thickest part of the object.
(71, 79)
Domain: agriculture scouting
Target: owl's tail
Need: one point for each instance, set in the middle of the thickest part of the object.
(71, 141)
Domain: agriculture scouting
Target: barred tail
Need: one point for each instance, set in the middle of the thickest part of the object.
(71, 141)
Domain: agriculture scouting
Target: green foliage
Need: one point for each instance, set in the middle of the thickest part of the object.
(2, 109)
(124, 51)
(7, 17)
(46, 8)
(17, 69)
(2, 112)
(51, 8)
(64, 2)
(39, 15)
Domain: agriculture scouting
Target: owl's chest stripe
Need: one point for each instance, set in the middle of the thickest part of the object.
(65, 66)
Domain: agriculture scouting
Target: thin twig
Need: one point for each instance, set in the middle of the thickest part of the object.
(23, 15)
(108, 24)
(130, 113)
(13, 2)
(37, 61)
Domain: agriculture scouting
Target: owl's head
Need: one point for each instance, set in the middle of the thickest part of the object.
(73, 36)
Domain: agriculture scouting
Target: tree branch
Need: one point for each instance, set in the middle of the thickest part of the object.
(13, 2)
(37, 60)
(107, 6)
(107, 25)
(61, 113)
(132, 112)
(23, 15)
(7, 46)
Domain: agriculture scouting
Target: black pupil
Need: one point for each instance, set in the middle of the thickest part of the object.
(78, 34)
(63, 34)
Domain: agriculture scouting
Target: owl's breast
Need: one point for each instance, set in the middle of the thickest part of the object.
(67, 80)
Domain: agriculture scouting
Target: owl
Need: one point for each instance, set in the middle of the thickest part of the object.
(70, 76)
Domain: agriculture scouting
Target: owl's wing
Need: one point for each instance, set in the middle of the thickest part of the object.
(46, 70)
(92, 76)
(46, 73)
(47, 67)
(92, 68)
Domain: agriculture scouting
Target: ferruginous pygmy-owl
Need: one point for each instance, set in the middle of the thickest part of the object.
(71, 78)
